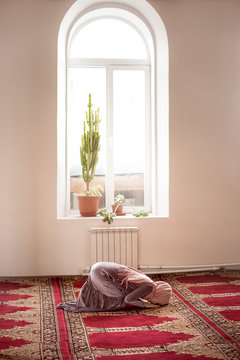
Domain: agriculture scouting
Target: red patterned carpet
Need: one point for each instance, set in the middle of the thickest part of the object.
(202, 322)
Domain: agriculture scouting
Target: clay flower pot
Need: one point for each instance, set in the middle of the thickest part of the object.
(88, 205)
(117, 208)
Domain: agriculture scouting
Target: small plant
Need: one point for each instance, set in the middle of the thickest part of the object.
(117, 207)
(140, 213)
(119, 199)
(109, 215)
(90, 146)
(106, 214)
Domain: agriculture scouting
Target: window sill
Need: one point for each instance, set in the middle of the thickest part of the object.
(117, 218)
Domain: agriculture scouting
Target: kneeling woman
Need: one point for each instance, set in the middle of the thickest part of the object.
(112, 286)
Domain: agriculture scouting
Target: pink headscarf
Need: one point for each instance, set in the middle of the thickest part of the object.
(161, 293)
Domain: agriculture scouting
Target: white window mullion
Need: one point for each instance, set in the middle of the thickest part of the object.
(154, 129)
(109, 138)
(67, 165)
(148, 151)
(78, 62)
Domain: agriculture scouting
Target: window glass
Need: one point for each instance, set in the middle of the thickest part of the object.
(129, 134)
(82, 82)
(108, 38)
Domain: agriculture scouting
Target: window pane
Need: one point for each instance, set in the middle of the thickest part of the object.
(129, 134)
(82, 82)
(108, 38)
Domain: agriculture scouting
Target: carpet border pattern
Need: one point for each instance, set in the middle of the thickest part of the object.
(226, 337)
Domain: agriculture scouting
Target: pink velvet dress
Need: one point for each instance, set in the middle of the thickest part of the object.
(111, 286)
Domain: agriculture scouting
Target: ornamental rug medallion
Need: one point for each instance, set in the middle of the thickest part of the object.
(202, 322)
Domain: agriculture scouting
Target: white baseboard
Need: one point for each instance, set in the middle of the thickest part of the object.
(158, 269)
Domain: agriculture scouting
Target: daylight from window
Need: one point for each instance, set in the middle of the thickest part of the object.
(108, 38)
(105, 60)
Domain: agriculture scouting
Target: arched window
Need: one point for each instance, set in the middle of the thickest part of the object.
(108, 51)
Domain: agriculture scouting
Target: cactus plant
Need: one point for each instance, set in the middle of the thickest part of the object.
(90, 145)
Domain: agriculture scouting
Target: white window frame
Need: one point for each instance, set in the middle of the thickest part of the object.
(141, 15)
(110, 68)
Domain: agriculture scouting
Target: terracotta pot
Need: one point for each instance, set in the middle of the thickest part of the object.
(119, 209)
(88, 205)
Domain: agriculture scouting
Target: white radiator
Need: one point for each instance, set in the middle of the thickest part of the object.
(117, 244)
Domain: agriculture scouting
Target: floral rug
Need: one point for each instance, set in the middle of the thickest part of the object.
(202, 322)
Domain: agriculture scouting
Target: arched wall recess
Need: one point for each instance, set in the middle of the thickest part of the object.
(148, 23)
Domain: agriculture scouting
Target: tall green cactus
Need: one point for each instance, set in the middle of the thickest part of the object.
(90, 144)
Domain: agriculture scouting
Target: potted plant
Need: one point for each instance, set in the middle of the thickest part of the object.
(88, 200)
(140, 213)
(117, 207)
(106, 214)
